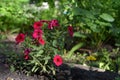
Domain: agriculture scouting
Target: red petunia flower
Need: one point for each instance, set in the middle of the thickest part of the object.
(26, 57)
(57, 60)
(20, 38)
(41, 41)
(52, 24)
(37, 33)
(70, 30)
(26, 54)
(37, 25)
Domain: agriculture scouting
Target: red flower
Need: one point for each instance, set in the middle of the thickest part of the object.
(37, 25)
(41, 41)
(20, 38)
(52, 24)
(37, 33)
(26, 51)
(26, 54)
(70, 30)
(57, 60)
(26, 57)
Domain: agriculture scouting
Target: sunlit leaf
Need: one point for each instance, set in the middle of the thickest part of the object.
(71, 52)
(78, 34)
(47, 58)
(107, 17)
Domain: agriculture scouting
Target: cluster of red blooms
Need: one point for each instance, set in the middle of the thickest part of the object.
(38, 35)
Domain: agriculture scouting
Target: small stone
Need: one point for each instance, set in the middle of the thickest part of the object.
(9, 78)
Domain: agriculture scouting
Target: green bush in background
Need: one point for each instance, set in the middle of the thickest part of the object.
(93, 20)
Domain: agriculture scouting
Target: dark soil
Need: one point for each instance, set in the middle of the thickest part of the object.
(6, 74)
(64, 72)
(80, 72)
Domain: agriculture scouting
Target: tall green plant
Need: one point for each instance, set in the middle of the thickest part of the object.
(92, 19)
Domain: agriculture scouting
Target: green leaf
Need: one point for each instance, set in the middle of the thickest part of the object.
(93, 27)
(54, 43)
(55, 51)
(51, 3)
(76, 11)
(35, 68)
(37, 54)
(47, 58)
(78, 34)
(41, 51)
(12, 68)
(101, 64)
(74, 49)
(44, 69)
(103, 23)
(107, 17)
(117, 44)
(46, 61)
(14, 30)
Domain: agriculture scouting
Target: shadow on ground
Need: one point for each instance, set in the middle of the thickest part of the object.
(83, 73)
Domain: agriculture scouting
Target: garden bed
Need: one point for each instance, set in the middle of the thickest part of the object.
(77, 72)
(55, 43)
(64, 72)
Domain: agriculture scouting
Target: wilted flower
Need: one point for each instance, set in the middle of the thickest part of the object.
(57, 60)
(26, 53)
(52, 24)
(70, 30)
(20, 38)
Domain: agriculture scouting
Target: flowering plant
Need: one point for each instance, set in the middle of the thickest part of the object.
(43, 46)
